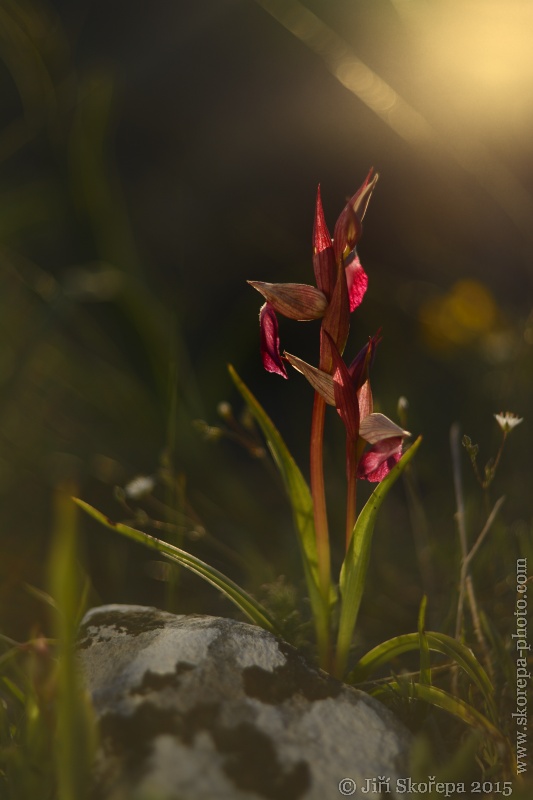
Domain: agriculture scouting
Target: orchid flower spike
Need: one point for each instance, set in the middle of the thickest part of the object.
(341, 283)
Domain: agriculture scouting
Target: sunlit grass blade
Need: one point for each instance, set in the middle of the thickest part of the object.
(76, 729)
(14, 690)
(438, 642)
(40, 595)
(300, 500)
(245, 602)
(354, 568)
(447, 702)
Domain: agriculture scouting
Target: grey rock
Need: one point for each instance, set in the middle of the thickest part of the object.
(205, 708)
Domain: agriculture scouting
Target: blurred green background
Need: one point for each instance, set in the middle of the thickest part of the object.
(155, 156)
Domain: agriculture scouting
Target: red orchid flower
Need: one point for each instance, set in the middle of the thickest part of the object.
(348, 389)
(332, 299)
(386, 440)
(358, 371)
(268, 324)
(347, 232)
(364, 426)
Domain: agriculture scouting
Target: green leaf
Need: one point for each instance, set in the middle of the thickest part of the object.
(438, 642)
(245, 602)
(354, 568)
(441, 699)
(299, 497)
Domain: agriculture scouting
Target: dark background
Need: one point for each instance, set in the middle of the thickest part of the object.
(154, 156)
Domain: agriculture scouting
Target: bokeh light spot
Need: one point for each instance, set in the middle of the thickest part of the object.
(463, 315)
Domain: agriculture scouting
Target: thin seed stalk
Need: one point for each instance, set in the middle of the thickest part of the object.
(461, 524)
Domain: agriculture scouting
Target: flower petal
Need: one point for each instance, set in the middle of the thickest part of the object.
(293, 300)
(348, 231)
(336, 322)
(376, 427)
(361, 198)
(345, 397)
(377, 462)
(360, 366)
(507, 421)
(321, 381)
(356, 280)
(270, 341)
(323, 255)
(347, 407)
(348, 228)
(365, 400)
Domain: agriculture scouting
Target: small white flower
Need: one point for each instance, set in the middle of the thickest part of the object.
(224, 410)
(507, 421)
(139, 487)
(403, 404)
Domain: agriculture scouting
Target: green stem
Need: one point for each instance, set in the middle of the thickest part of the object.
(351, 496)
(321, 525)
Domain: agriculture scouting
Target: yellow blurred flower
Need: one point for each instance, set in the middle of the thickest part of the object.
(465, 314)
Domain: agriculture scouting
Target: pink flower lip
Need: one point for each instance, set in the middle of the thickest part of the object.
(386, 439)
(377, 462)
(268, 323)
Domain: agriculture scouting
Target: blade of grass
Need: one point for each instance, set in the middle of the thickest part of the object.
(43, 597)
(453, 705)
(425, 661)
(301, 504)
(354, 568)
(245, 602)
(14, 690)
(75, 733)
(438, 642)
